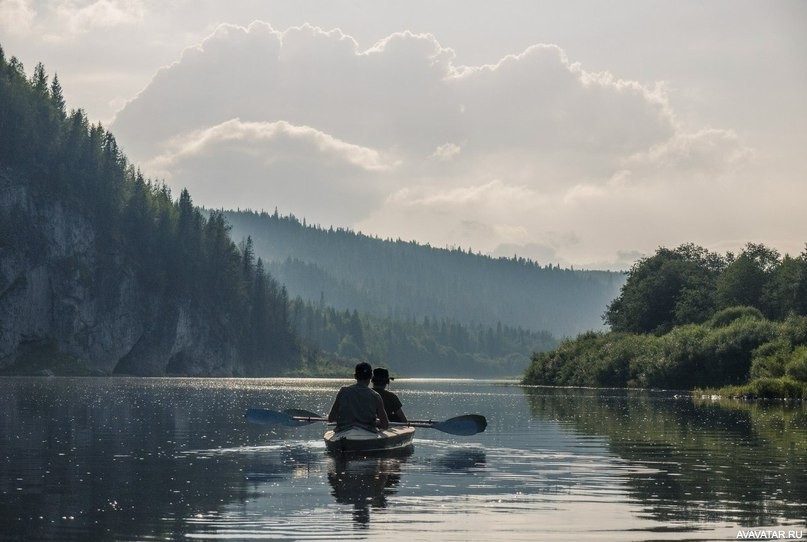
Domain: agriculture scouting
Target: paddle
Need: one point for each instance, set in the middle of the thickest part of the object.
(289, 418)
(468, 424)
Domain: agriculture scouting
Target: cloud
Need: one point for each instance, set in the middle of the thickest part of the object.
(704, 154)
(258, 165)
(532, 151)
(446, 151)
(16, 16)
(101, 14)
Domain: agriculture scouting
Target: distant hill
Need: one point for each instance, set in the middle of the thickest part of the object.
(402, 280)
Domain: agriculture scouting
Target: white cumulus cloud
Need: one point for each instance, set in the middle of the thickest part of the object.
(398, 140)
(260, 165)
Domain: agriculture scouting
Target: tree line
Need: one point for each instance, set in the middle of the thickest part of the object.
(689, 318)
(392, 278)
(689, 284)
(426, 347)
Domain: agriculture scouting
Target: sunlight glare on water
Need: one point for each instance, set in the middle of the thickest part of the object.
(166, 459)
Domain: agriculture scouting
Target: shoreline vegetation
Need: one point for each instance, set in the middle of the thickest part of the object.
(688, 319)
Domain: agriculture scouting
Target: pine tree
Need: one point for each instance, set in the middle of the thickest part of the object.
(57, 97)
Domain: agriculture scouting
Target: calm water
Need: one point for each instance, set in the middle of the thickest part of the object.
(173, 459)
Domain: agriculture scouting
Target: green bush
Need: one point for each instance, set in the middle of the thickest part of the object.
(794, 330)
(769, 359)
(796, 368)
(728, 350)
(731, 314)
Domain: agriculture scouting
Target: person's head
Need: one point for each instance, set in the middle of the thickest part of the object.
(381, 377)
(363, 371)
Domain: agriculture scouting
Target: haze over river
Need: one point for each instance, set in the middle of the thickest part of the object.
(173, 459)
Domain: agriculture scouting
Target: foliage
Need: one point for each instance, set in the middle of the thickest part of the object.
(689, 318)
(412, 347)
(796, 368)
(690, 285)
(694, 355)
(405, 280)
(764, 388)
(179, 255)
(727, 316)
(673, 287)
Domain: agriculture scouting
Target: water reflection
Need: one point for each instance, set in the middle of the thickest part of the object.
(365, 482)
(173, 459)
(706, 461)
(462, 460)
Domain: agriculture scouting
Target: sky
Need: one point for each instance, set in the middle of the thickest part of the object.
(574, 133)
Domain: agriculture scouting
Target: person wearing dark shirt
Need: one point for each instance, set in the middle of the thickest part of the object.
(358, 405)
(392, 405)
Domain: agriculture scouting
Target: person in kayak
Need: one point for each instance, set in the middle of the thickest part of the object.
(358, 405)
(392, 405)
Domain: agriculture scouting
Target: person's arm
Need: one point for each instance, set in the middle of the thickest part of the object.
(381, 414)
(401, 415)
(335, 408)
(398, 408)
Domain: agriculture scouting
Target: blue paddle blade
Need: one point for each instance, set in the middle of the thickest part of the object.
(469, 424)
(272, 417)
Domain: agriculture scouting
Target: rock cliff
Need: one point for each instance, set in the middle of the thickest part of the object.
(62, 295)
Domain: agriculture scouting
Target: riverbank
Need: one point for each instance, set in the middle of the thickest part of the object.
(737, 353)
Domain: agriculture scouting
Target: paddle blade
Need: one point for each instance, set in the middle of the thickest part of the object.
(300, 413)
(272, 417)
(469, 424)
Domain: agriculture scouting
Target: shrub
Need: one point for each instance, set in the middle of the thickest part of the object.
(728, 350)
(729, 315)
(796, 368)
(769, 359)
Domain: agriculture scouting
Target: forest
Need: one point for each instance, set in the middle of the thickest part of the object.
(689, 318)
(426, 347)
(178, 255)
(405, 280)
(117, 262)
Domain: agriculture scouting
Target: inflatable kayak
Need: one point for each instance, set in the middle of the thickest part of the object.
(356, 440)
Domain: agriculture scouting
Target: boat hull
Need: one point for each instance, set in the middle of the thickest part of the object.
(355, 440)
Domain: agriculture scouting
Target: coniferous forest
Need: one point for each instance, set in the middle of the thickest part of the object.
(406, 280)
(75, 210)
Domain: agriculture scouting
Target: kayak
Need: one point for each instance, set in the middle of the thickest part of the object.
(357, 440)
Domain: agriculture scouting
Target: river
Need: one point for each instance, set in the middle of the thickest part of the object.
(173, 459)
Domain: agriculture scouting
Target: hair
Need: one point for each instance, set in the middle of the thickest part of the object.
(364, 371)
(381, 377)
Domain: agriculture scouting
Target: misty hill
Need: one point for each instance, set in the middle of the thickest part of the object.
(406, 280)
